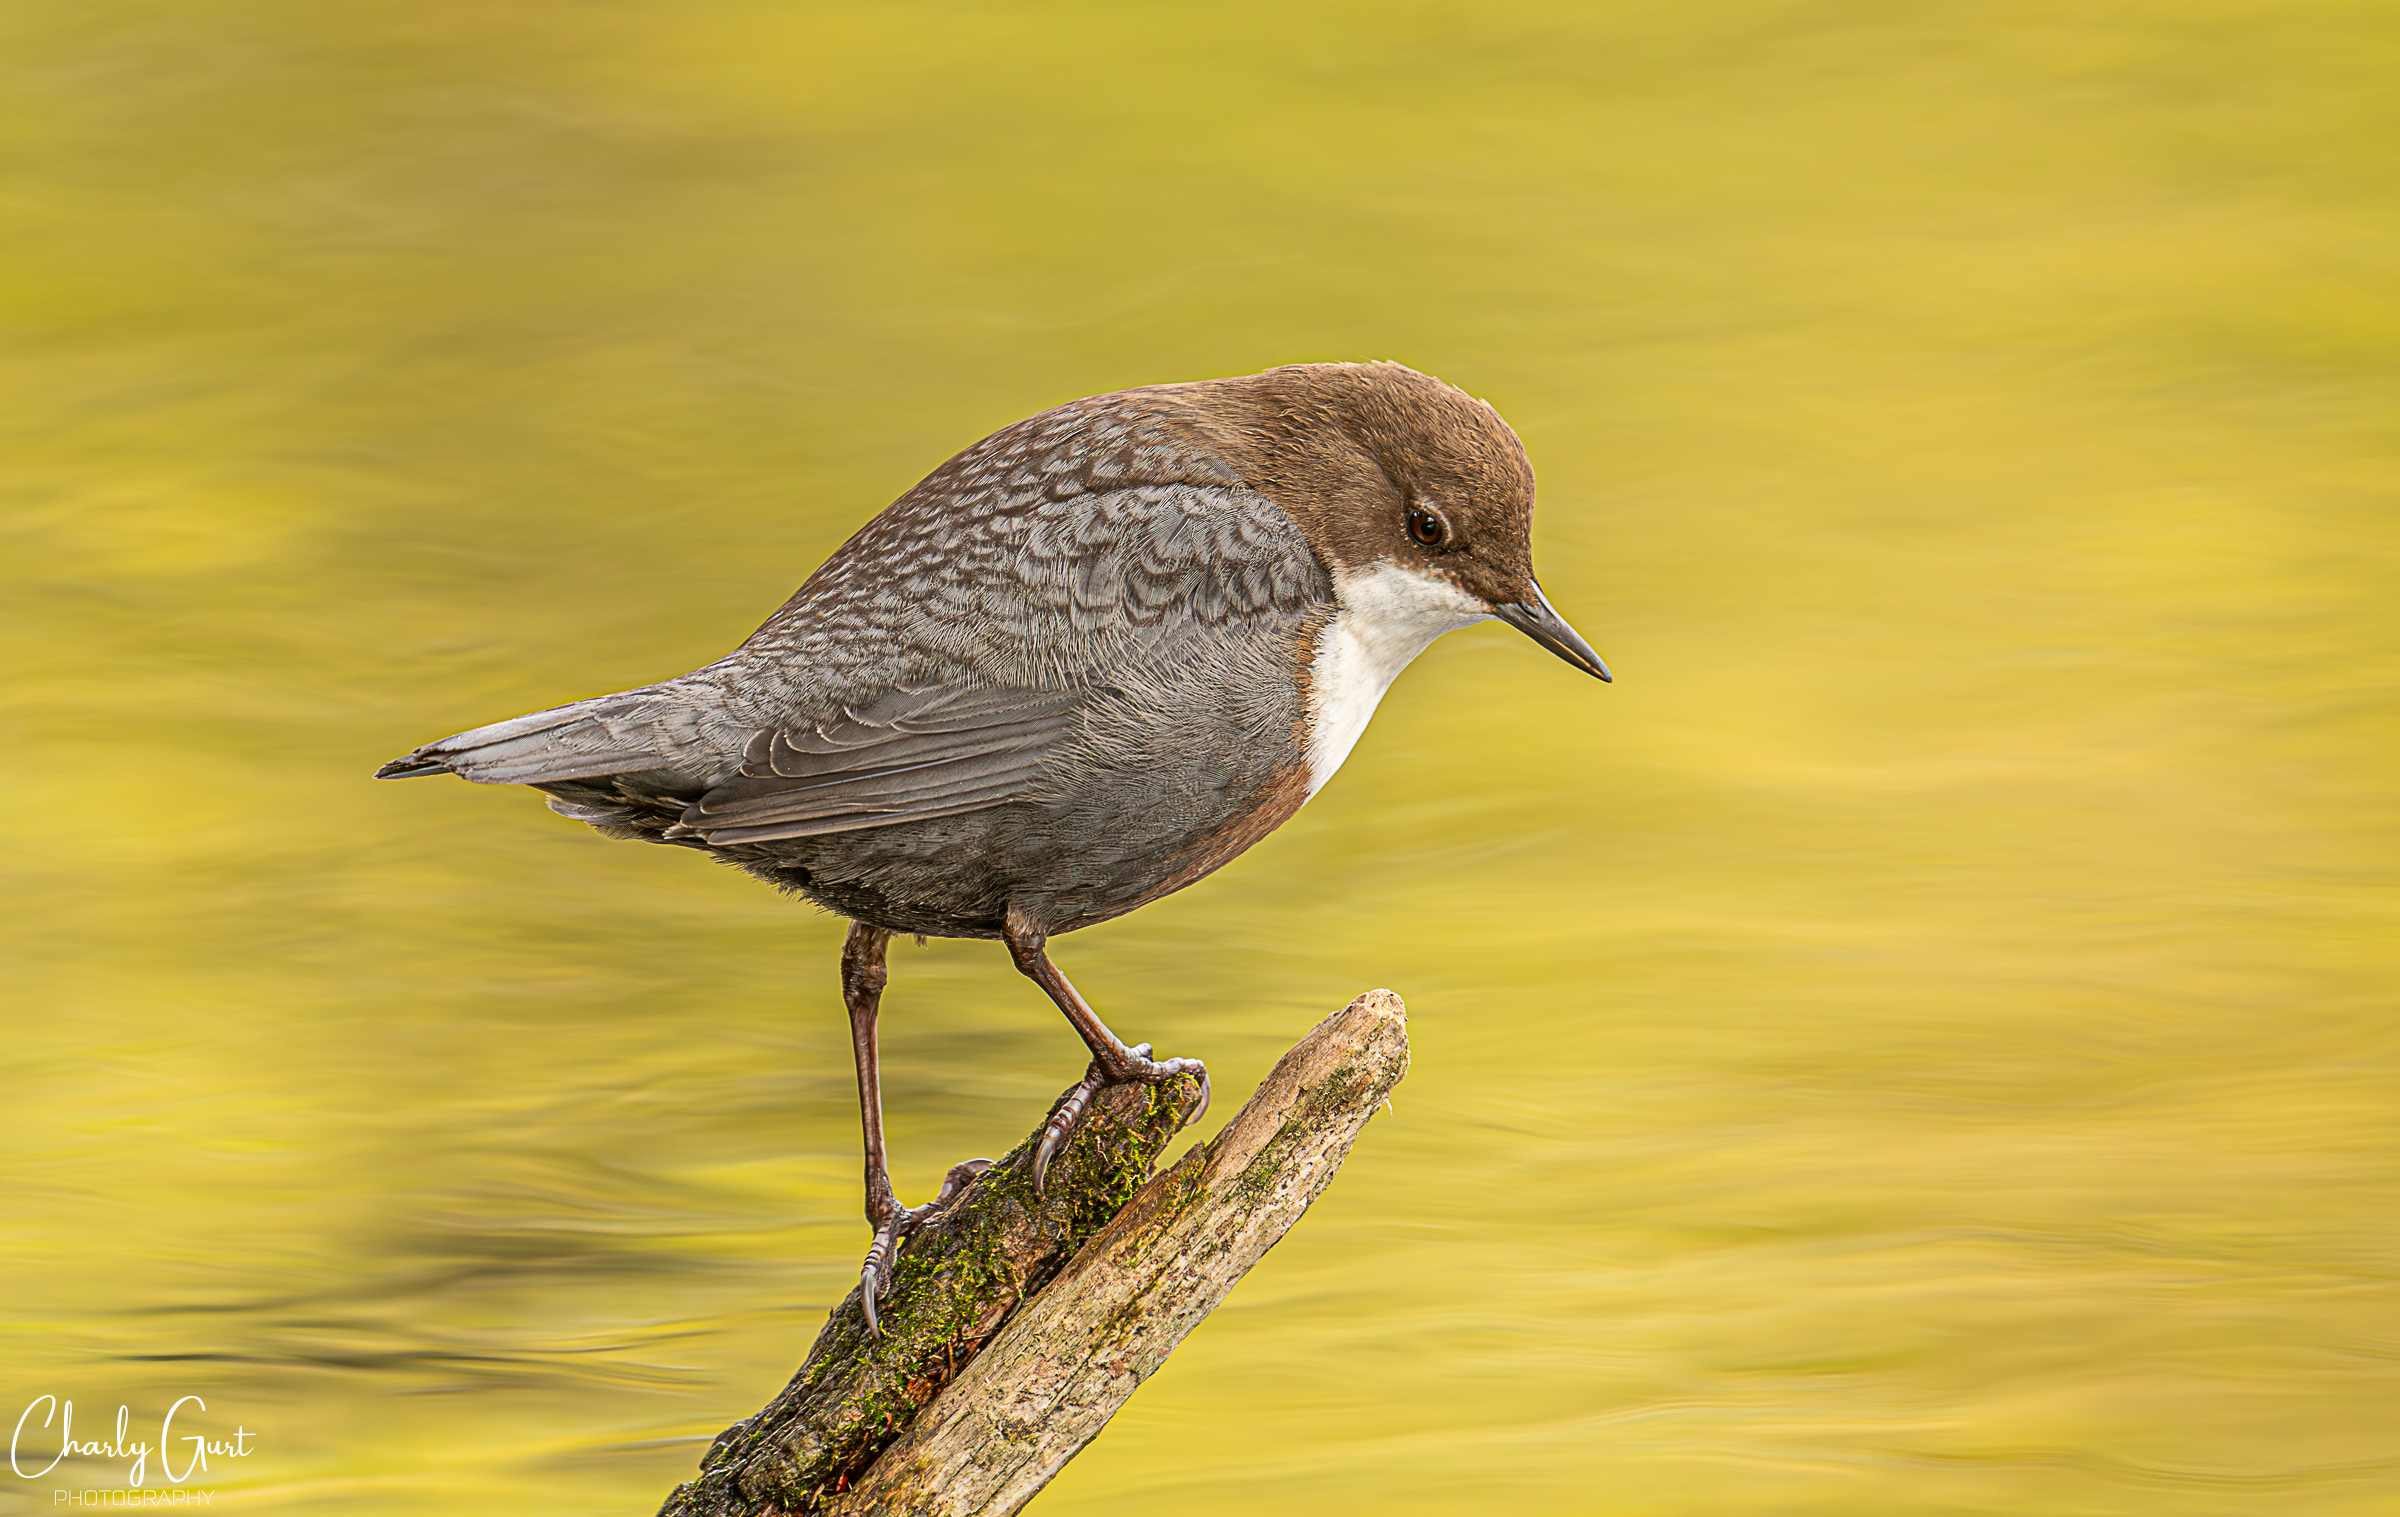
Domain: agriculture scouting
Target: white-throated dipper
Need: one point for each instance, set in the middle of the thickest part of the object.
(1079, 666)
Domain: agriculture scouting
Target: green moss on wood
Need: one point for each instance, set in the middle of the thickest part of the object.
(953, 1285)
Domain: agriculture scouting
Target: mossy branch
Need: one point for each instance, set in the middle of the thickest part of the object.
(1016, 1327)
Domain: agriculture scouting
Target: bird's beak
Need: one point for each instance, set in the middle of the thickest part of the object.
(1536, 620)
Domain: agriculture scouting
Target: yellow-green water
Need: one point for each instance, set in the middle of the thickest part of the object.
(1923, 1041)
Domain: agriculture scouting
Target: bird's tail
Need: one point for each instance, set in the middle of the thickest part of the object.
(612, 734)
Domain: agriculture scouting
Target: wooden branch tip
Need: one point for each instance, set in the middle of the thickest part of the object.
(1017, 1325)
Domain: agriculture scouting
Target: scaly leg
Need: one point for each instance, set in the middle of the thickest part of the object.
(1112, 1062)
(863, 979)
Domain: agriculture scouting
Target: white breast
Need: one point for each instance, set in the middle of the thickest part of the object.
(1388, 616)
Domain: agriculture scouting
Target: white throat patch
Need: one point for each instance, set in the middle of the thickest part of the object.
(1388, 616)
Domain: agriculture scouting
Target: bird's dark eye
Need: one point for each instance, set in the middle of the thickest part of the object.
(1426, 527)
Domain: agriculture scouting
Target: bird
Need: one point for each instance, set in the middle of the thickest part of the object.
(1079, 666)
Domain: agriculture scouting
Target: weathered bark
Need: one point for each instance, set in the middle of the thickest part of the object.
(956, 1280)
(1069, 1358)
(1023, 1369)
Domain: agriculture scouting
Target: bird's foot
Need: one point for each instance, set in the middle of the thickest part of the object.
(1136, 1068)
(875, 1276)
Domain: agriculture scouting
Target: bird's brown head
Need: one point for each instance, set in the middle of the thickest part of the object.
(1393, 473)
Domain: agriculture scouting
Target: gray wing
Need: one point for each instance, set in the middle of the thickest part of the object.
(968, 630)
(914, 753)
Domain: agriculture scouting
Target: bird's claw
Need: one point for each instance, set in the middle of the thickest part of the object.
(1069, 1114)
(1064, 1120)
(875, 1276)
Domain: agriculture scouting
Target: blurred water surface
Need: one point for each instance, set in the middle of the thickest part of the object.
(1923, 1041)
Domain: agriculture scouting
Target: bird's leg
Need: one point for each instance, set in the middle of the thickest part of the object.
(1112, 1062)
(863, 979)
